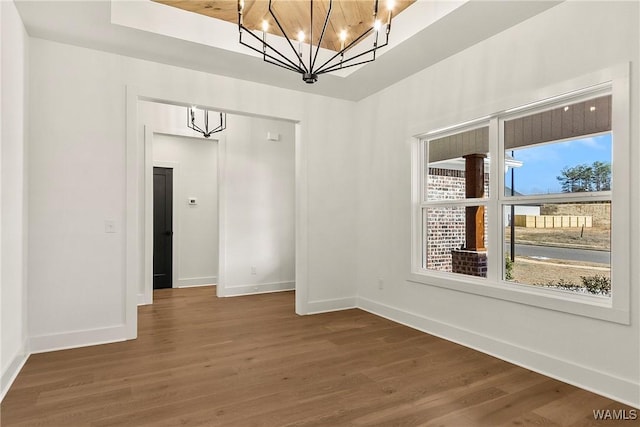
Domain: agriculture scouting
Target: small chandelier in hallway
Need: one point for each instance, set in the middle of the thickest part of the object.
(206, 132)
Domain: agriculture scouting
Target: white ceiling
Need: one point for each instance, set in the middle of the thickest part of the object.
(426, 33)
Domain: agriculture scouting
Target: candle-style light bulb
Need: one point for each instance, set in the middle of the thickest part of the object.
(300, 36)
(343, 38)
(391, 4)
(265, 27)
(377, 25)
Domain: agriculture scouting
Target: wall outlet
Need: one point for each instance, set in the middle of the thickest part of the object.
(380, 283)
(253, 270)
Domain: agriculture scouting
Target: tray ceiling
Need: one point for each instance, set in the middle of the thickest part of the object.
(294, 15)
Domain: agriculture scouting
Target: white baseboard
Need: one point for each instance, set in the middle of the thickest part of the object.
(197, 281)
(13, 369)
(259, 288)
(620, 389)
(53, 342)
(327, 305)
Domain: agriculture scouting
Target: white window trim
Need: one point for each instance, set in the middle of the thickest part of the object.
(614, 308)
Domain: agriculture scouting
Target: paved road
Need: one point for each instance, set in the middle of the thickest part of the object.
(587, 255)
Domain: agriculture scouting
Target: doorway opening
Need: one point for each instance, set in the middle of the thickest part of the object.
(250, 184)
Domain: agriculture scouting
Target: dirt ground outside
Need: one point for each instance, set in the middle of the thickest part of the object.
(557, 271)
(530, 271)
(573, 237)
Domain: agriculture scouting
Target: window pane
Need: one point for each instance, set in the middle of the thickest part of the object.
(564, 246)
(578, 165)
(568, 121)
(555, 151)
(457, 166)
(455, 239)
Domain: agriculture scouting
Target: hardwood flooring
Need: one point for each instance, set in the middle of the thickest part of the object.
(251, 361)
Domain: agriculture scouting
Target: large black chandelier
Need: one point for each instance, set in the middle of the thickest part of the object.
(310, 67)
(206, 131)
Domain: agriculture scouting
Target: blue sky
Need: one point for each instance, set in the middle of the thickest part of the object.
(541, 164)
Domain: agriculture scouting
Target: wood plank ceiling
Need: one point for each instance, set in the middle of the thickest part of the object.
(354, 16)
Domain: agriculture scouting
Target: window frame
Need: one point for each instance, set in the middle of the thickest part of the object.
(614, 81)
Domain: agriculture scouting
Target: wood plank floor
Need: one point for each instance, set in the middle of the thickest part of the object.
(250, 361)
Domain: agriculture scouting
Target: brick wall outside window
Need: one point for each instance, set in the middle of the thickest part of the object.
(445, 226)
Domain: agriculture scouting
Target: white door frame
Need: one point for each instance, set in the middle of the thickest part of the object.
(221, 286)
(149, 164)
(136, 200)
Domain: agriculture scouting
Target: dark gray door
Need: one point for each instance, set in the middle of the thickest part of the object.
(162, 227)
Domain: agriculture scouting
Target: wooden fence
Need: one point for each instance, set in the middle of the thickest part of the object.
(553, 221)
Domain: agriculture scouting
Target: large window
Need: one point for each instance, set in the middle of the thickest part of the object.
(520, 205)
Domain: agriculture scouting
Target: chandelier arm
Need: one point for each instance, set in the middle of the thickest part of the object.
(335, 67)
(356, 40)
(191, 121)
(324, 28)
(338, 67)
(192, 124)
(375, 44)
(349, 46)
(196, 128)
(377, 33)
(222, 126)
(283, 65)
(310, 35)
(293, 66)
(275, 61)
(275, 18)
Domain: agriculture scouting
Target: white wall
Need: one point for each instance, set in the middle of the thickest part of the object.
(14, 88)
(76, 183)
(259, 206)
(562, 43)
(196, 175)
(78, 179)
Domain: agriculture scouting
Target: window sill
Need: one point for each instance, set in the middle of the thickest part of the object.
(592, 306)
